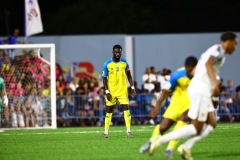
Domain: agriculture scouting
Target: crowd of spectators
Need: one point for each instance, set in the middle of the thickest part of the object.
(26, 79)
(80, 101)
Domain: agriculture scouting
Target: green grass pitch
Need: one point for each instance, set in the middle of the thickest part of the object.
(87, 144)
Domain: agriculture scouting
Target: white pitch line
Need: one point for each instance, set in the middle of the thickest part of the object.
(80, 132)
(143, 129)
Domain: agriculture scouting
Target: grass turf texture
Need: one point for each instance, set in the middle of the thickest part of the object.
(86, 143)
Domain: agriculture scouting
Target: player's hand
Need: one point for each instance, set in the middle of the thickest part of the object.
(154, 112)
(215, 102)
(109, 96)
(5, 100)
(134, 93)
(215, 91)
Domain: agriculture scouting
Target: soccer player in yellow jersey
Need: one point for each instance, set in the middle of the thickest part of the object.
(115, 73)
(179, 104)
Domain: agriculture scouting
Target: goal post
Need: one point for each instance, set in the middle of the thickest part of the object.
(29, 72)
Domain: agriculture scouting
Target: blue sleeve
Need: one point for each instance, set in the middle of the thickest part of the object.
(173, 81)
(127, 65)
(105, 70)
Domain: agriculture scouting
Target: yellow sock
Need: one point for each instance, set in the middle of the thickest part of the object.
(127, 118)
(172, 144)
(108, 119)
(156, 132)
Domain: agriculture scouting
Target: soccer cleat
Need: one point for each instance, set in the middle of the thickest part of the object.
(129, 135)
(184, 152)
(145, 147)
(154, 145)
(105, 136)
(168, 154)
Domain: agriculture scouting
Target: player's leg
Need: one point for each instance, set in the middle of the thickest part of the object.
(108, 118)
(209, 127)
(169, 118)
(127, 118)
(159, 129)
(123, 100)
(173, 143)
(198, 112)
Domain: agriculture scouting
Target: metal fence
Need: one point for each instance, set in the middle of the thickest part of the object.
(89, 110)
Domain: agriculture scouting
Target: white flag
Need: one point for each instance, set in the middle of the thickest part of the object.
(33, 22)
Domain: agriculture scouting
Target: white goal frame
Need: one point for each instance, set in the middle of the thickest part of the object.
(52, 70)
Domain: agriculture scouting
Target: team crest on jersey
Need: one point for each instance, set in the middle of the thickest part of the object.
(117, 69)
(202, 114)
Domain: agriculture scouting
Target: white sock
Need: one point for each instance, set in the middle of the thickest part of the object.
(106, 131)
(190, 142)
(183, 132)
(128, 130)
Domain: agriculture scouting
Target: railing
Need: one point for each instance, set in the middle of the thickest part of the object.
(89, 110)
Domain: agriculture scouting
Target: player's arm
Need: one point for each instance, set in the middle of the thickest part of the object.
(130, 80)
(105, 81)
(167, 88)
(212, 75)
(163, 95)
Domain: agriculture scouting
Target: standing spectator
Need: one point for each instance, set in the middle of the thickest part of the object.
(12, 39)
(17, 113)
(74, 84)
(99, 105)
(115, 72)
(223, 105)
(148, 80)
(230, 89)
(237, 89)
(156, 83)
(230, 93)
(29, 112)
(163, 77)
(59, 70)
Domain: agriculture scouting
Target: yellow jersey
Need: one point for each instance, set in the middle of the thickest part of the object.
(116, 74)
(179, 81)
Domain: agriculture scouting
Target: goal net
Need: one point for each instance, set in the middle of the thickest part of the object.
(28, 71)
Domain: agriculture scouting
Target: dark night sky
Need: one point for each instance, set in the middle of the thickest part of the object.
(69, 17)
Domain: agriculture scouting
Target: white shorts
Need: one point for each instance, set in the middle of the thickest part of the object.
(200, 105)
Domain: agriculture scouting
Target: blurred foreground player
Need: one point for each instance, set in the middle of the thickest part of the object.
(177, 110)
(202, 88)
